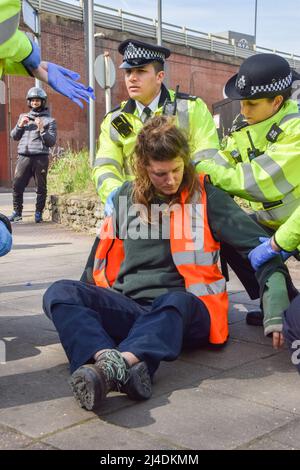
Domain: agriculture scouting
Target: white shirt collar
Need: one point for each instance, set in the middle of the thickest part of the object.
(153, 105)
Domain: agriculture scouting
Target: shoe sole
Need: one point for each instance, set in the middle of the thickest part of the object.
(87, 387)
(139, 386)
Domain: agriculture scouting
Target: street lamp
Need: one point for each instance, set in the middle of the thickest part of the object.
(255, 21)
(159, 28)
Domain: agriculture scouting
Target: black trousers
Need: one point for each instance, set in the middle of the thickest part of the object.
(27, 167)
(90, 318)
(291, 330)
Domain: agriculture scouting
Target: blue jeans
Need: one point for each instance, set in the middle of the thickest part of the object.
(90, 318)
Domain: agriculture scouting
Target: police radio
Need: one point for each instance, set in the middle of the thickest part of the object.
(253, 152)
(170, 107)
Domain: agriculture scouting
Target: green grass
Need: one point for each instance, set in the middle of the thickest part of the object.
(70, 173)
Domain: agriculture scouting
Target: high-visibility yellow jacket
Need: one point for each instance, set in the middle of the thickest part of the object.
(271, 180)
(288, 235)
(121, 126)
(15, 46)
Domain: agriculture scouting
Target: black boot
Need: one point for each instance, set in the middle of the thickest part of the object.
(255, 318)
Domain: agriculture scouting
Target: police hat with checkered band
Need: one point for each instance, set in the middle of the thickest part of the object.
(261, 76)
(138, 53)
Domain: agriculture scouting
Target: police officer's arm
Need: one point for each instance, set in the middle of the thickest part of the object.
(108, 167)
(287, 236)
(204, 139)
(49, 133)
(264, 178)
(230, 224)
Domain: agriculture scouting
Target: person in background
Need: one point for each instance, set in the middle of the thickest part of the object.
(36, 133)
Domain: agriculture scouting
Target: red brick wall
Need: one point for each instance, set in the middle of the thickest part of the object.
(63, 43)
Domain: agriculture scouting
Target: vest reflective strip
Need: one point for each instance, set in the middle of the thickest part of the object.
(250, 184)
(275, 172)
(105, 176)
(183, 114)
(127, 167)
(195, 257)
(99, 264)
(8, 28)
(288, 117)
(201, 289)
(102, 161)
(287, 208)
(114, 134)
(205, 154)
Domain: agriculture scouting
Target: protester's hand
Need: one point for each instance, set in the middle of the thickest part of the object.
(23, 121)
(5, 239)
(278, 340)
(109, 205)
(39, 122)
(65, 81)
(262, 253)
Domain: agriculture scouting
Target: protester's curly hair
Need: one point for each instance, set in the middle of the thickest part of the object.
(161, 140)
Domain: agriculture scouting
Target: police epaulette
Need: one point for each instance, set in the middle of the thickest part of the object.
(186, 96)
(238, 126)
(112, 111)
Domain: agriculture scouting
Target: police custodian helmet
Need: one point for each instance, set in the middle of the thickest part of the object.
(261, 76)
(38, 93)
(138, 53)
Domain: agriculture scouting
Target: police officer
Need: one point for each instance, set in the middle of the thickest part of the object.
(286, 241)
(260, 160)
(36, 133)
(20, 56)
(144, 74)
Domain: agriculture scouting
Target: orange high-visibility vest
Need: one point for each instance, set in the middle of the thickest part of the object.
(195, 254)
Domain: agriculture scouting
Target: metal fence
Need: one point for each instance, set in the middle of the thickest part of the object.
(125, 21)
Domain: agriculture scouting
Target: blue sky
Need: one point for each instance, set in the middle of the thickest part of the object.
(278, 21)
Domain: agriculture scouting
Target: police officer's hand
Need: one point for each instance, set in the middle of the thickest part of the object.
(5, 239)
(109, 205)
(267, 250)
(278, 340)
(39, 122)
(23, 121)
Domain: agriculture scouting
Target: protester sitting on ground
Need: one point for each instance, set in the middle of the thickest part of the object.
(158, 287)
(5, 235)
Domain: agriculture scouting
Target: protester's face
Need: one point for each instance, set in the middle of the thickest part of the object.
(143, 83)
(36, 103)
(259, 110)
(166, 177)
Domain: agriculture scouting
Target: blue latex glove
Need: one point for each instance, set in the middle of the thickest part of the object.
(64, 81)
(264, 252)
(34, 59)
(109, 205)
(5, 239)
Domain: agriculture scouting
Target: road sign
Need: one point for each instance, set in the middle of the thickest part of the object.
(105, 71)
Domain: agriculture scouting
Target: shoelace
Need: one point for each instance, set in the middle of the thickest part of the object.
(114, 366)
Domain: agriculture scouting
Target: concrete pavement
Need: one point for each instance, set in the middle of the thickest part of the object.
(245, 396)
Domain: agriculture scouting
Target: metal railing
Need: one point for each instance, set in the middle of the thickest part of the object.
(121, 20)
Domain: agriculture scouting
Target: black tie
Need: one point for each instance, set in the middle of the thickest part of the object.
(146, 113)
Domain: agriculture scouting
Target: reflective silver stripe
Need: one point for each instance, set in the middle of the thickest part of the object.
(215, 156)
(201, 289)
(196, 257)
(8, 28)
(105, 176)
(289, 204)
(183, 114)
(204, 154)
(114, 134)
(99, 264)
(250, 184)
(102, 161)
(127, 168)
(288, 117)
(275, 172)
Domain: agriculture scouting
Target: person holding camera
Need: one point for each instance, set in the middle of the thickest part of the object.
(36, 133)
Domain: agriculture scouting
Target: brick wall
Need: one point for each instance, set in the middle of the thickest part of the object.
(197, 72)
